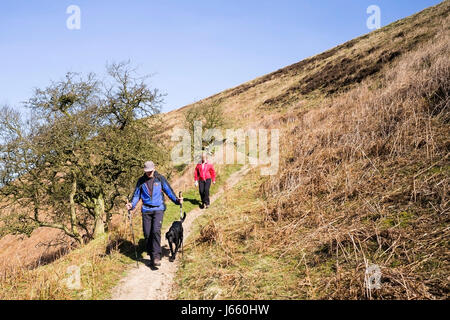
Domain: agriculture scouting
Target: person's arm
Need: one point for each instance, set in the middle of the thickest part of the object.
(213, 173)
(195, 176)
(136, 195)
(169, 191)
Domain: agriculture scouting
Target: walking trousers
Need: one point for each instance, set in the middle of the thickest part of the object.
(151, 223)
(203, 188)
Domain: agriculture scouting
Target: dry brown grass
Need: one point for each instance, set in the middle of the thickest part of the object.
(44, 246)
(101, 262)
(208, 233)
(366, 180)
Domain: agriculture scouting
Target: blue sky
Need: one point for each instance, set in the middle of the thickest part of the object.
(194, 48)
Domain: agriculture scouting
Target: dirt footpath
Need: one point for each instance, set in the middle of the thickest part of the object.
(143, 283)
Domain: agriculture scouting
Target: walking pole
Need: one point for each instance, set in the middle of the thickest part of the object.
(181, 205)
(132, 235)
(181, 217)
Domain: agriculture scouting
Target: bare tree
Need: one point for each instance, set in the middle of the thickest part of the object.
(209, 114)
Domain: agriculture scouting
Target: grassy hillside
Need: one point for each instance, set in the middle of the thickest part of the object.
(363, 179)
(304, 84)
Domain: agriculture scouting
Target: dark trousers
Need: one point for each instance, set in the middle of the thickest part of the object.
(203, 188)
(151, 223)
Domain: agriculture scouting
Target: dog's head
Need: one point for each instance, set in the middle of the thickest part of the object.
(170, 236)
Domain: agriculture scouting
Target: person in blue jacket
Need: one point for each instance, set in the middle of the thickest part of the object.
(149, 189)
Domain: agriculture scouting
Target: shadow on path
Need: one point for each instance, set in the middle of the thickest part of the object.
(195, 202)
(126, 248)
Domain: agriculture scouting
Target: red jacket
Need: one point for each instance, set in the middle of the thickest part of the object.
(207, 172)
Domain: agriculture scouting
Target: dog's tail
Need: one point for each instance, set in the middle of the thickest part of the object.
(184, 217)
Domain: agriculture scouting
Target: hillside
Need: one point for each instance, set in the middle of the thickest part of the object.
(331, 72)
(363, 179)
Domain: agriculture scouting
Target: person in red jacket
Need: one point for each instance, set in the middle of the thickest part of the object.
(203, 175)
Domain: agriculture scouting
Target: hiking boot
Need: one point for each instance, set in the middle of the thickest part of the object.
(207, 206)
(156, 262)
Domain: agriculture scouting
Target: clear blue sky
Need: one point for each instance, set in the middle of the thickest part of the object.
(195, 48)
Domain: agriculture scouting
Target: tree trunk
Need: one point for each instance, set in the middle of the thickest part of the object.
(99, 215)
(73, 213)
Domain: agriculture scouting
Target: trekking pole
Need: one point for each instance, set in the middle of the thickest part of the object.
(181, 205)
(181, 217)
(132, 235)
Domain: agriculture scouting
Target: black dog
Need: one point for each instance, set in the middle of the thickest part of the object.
(175, 236)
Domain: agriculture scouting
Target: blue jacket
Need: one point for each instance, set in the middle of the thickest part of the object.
(154, 202)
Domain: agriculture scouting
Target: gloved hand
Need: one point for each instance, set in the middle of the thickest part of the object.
(196, 183)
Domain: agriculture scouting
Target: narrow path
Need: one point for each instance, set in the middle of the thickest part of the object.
(144, 283)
